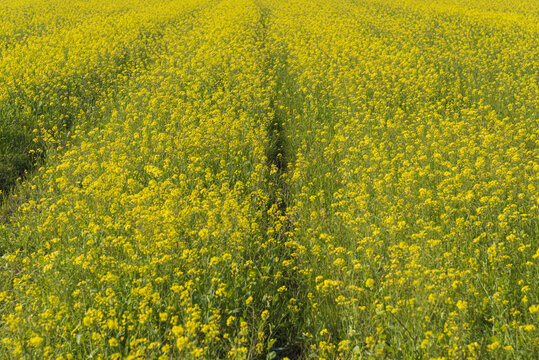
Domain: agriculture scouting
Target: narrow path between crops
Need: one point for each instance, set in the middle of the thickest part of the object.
(288, 342)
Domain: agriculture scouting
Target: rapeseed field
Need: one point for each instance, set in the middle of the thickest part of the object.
(263, 179)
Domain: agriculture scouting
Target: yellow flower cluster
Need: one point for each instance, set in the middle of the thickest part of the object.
(140, 237)
(266, 179)
(414, 185)
(60, 60)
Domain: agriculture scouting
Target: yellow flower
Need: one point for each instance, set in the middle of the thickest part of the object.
(87, 320)
(35, 341)
(462, 305)
(493, 346)
(182, 342)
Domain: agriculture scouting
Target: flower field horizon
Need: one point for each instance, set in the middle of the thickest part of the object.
(262, 179)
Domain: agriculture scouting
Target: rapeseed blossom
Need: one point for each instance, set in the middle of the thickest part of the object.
(261, 179)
